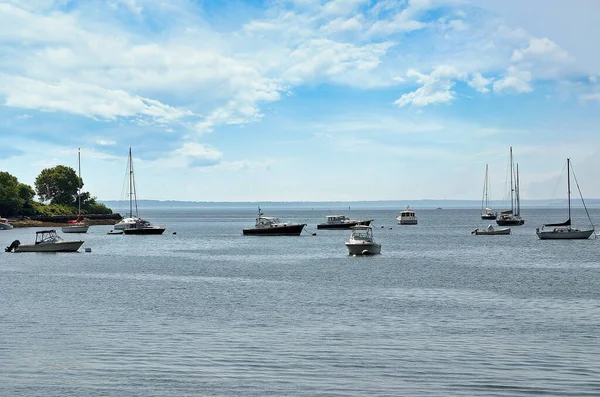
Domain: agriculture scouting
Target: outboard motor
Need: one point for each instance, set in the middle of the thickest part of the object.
(13, 246)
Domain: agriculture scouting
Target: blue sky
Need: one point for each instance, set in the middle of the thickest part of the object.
(304, 99)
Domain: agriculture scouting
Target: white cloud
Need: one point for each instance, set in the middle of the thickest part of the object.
(480, 83)
(105, 142)
(515, 80)
(540, 49)
(436, 87)
(341, 7)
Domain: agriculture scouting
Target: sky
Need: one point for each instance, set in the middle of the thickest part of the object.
(302, 100)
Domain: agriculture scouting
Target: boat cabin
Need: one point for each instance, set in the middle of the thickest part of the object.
(361, 232)
(266, 221)
(336, 218)
(47, 236)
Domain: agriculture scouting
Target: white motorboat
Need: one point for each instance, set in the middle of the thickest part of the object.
(490, 231)
(4, 225)
(407, 217)
(341, 222)
(46, 241)
(133, 224)
(564, 230)
(361, 241)
(77, 225)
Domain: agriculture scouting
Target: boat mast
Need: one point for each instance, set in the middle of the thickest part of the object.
(485, 190)
(512, 190)
(79, 183)
(517, 195)
(569, 187)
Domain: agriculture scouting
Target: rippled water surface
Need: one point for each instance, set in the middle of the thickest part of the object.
(207, 311)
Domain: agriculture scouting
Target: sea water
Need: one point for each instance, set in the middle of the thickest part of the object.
(204, 311)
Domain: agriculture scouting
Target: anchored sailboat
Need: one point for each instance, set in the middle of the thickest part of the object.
(512, 217)
(77, 225)
(564, 230)
(486, 212)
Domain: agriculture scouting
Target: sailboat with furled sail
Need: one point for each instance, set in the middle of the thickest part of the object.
(486, 211)
(564, 230)
(77, 225)
(512, 217)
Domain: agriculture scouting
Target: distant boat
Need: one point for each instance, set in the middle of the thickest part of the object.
(361, 241)
(4, 225)
(46, 241)
(341, 222)
(407, 217)
(486, 212)
(512, 217)
(272, 226)
(490, 231)
(77, 226)
(134, 224)
(564, 230)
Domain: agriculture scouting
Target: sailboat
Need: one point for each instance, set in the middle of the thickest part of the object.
(564, 230)
(486, 212)
(133, 224)
(512, 217)
(77, 225)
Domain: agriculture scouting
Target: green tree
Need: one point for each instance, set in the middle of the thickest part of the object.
(58, 185)
(12, 194)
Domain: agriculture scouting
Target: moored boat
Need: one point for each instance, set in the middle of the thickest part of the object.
(46, 241)
(272, 226)
(77, 225)
(407, 217)
(512, 217)
(4, 225)
(564, 230)
(341, 222)
(491, 231)
(361, 241)
(143, 227)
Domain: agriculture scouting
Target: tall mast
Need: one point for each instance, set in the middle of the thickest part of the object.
(569, 186)
(130, 185)
(485, 187)
(79, 183)
(517, 194)
(512, 190)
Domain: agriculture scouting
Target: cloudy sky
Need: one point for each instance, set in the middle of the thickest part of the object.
(302, 99)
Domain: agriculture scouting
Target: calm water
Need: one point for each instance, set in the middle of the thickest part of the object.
(209, 312)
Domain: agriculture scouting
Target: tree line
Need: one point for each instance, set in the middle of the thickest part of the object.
(58, 191)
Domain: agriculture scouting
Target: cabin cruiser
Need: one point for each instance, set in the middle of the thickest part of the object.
(407, 217)
(142, 226)
(4, 225)
(126, 223)
(46, 241)
(361, 241)
(272, 226)
(341, 222)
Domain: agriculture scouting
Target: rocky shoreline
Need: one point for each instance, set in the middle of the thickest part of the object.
(62, 220)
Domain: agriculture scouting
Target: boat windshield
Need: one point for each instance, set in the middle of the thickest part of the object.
(336, 218)
(362, 234)
(47, 236)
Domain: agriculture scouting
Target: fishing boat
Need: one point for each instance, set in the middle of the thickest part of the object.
(133, 224)
(272, 226)
(486, 211)
(564, 230)
(361, 241)
(46, 241)
(341, 222)
(407, 217)
(512, 217)
(491, 231)
(77, 225)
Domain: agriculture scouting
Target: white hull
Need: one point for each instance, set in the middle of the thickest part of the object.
(63, 246)
(495, 232)
(407, 221)
(75, 229)
(565, 234)
(363, 248)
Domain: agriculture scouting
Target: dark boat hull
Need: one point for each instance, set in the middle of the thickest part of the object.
(488, 216)
(343, 226)
(284, 230)
(145, 230)
(510, 222)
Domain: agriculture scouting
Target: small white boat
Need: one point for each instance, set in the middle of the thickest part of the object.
(4, 225)
(407, 217)
(490, 231)
(361, 241)
(46, 241)
(341, 222)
